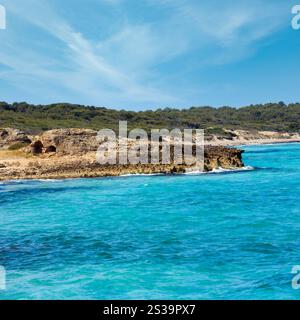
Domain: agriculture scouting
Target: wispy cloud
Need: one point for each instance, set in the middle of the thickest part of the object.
(139, 62)
(89, 73)
(227, 25)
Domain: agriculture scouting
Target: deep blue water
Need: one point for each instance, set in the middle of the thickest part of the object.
(210, 236)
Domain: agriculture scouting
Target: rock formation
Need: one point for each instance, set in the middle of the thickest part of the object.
(9, 137)
(70, 153)
(71, 141)
(222, 157)
(36, 147)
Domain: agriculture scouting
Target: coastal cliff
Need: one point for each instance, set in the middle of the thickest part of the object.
(71, 153)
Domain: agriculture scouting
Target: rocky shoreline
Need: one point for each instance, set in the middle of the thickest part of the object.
(71, 153)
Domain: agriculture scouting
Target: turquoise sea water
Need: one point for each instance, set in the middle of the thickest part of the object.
(211, 236)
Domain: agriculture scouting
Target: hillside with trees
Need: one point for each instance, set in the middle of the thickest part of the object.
(36, 118)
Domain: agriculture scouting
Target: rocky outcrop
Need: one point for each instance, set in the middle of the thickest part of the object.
(10, 137)
(70, 141)
(36, 147)
(222, 157)
(71, 153)
(47, 166)
(50, 149)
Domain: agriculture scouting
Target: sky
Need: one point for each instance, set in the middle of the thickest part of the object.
(148, 54)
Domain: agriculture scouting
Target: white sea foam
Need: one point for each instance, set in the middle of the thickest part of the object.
(23, 181)
(141, 174)
(50, 180)
(220, 170)
(194, 172)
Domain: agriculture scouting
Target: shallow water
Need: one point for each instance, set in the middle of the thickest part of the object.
(209, 236)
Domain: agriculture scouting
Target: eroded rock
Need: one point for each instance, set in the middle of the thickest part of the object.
(50, 149)
(9, 137)
(37, 147)
(71, 141)
(72, 153)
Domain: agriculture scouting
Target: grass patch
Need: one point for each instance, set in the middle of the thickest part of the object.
(18, 146)
(13, 154)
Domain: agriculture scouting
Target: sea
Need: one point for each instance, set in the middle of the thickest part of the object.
(223, 235)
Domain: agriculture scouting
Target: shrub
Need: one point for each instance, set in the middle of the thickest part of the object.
(17, 146)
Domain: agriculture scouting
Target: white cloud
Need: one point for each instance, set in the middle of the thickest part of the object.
(123, 69)
(91, 74)
(228, 22)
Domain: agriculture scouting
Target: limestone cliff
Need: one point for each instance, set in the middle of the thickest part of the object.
(13, 137)
(70, 153)
(222, 157)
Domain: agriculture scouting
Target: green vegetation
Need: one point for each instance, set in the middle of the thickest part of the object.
(35, 118)
(18, 146)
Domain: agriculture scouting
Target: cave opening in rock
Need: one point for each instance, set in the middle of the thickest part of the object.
(50, 149)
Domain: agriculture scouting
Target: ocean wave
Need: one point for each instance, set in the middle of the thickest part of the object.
(51, 180)
(193, 172)
(141, 174)
(26, 181)
(220, 170)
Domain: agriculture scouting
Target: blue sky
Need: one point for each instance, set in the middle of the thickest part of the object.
(142, 54)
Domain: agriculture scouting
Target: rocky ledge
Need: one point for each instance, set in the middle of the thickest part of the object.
(71, 153)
